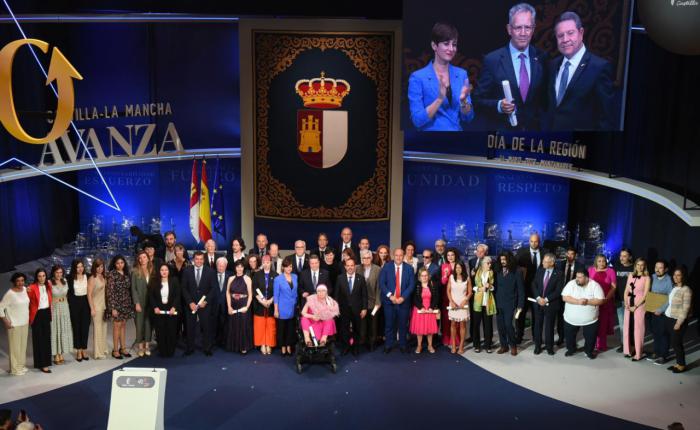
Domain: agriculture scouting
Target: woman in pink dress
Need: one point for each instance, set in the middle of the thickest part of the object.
(317, 316)
(607, 278)
(452, 255)
(423, 319)
(638, 285)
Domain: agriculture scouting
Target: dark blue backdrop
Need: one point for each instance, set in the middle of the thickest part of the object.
(438, 196)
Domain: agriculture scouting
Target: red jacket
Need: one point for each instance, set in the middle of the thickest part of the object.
(33, 293)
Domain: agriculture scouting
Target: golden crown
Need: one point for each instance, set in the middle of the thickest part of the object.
(323, 92)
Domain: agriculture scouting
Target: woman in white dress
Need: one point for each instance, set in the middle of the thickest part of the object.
(459, 290)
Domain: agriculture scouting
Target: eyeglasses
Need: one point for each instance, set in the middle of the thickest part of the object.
(523, 28)
(427, 256)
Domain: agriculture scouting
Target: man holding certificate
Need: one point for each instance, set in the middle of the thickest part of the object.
(518, 69)
(199, 289)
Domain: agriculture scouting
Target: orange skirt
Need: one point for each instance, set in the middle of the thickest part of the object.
(264, 331)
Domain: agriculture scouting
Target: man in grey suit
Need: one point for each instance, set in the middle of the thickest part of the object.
(371, 274)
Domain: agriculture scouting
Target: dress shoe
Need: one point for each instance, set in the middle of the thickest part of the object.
(387, 349)
(86, 358)
(46, 370)
(568, 353)
(514, 351)
(591, 356)
(538, 350)
(560, 343)
(550, 352)
(679, 369)
(502, 350)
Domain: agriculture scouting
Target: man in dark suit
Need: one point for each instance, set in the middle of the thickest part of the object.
(580, 89)
(432, 267)
(219, 323)
(261, 247)
(524, 67)
(312, 277)
(397, 295)
(568, 268)
(199, 281)
(510, 298)
(275, 259)
(300, 260)
(210, 256)
(528, 260)
(440, 256)
(546, 289)
(346, 242)
(322, 243)
(351, 295)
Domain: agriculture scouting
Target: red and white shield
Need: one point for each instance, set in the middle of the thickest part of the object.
(322, 137)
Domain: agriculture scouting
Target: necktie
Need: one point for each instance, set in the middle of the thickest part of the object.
(534, 258)
(299, 264)
(199, 275)
(221, 281)
(524, 78)
(546, 281)
(563, 82)
(262, 251)
(568, 271)
(397, 290)
(315, 280)
(211, 261)
(350, 284)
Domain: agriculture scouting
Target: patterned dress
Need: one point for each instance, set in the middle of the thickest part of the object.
(118, 292)
(61, 329)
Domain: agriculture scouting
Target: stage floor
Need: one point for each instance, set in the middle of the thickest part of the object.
(378, 390)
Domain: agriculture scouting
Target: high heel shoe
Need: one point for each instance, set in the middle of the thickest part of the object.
(117, 355)
(125, 353)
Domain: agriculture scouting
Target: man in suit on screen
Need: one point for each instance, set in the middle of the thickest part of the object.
(523, 66)
(580, 89)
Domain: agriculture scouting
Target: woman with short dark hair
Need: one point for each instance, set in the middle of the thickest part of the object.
(79, 308)
(40, 319)
(285, 297)
(164, 305)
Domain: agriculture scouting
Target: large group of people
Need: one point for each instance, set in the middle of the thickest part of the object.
(350, 295)
(573, 91)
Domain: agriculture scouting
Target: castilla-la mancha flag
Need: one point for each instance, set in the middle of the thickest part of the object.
(194, 203)
(204, 207)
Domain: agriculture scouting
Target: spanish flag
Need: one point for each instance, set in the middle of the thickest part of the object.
(204, 207)
(194, 203)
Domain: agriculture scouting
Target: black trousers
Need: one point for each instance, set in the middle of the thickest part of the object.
(41, 338)
(676, 337)
(80, 321)
(166, 327)
(370, 327)
(661, 337)
(520, 323)
(544, 318)
(506, 330)
(478, 317)
(560, 323)
(286, 332)
(590, 332)
(351, 327)
(220, 324)
(204, 327)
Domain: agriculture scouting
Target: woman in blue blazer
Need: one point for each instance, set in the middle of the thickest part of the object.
(438, 94)
(285, 298)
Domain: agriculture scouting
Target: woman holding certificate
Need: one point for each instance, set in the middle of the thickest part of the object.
(484, 305)
(164, 298)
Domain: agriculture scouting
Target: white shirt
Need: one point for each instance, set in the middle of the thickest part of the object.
(670, 300)
(80, 286)
(575, 60)
(15, 306)
(164, 292)
(580, 315)
(346, 246)
(43, 297)
(367, 271)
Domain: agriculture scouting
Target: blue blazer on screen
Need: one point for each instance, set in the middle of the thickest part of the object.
(423, 89)
(284, 297)
(387, 282)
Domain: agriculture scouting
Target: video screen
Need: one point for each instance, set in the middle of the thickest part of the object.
(548, 65)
